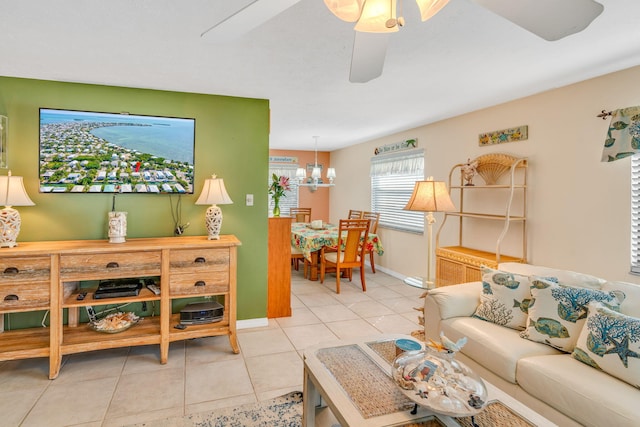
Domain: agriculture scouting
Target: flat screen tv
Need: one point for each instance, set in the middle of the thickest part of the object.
(90, 152)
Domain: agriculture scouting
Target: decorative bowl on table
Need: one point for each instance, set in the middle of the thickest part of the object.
(317, 225)
(115, 322)
(439, 382)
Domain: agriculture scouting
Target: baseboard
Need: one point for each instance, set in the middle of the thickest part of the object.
(252, 323)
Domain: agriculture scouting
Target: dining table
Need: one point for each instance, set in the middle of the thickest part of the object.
(309, 240)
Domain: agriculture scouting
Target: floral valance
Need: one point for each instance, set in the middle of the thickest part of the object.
(623, 136)
(405, 163)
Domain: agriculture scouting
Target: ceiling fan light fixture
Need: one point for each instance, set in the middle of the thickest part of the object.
(375, 15)
(428, 8)
(346, 10)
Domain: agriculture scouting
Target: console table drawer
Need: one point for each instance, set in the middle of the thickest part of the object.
(199, 283)
(109, 266)
(24, 270)
(14, 297)
(199, 259)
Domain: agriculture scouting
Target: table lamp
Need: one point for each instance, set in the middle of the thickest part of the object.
(12, 193)
(429, 196)
(213, 193)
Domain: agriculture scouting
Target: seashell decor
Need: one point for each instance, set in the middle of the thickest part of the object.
(492, 166)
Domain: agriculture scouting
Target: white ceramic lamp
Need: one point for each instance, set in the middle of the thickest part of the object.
(429, 196)
(12, 193)
(213, 193)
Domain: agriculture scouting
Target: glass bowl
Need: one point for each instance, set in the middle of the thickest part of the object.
(439, 382)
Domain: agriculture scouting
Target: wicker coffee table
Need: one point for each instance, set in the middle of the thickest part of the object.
(353, 379)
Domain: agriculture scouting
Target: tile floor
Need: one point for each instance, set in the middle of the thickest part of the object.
(129, 385)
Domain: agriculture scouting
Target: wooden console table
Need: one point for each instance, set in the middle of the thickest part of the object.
(36, 276)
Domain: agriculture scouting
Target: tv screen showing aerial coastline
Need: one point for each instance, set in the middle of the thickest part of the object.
(89, 152)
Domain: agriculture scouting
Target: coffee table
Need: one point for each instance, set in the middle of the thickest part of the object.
(352, 378)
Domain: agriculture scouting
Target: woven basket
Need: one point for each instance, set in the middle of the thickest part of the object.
(492, 166)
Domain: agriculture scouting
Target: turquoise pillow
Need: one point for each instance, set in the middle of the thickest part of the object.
(557, 313)
(610, 341)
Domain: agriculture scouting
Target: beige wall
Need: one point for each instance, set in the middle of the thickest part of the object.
(578, 207)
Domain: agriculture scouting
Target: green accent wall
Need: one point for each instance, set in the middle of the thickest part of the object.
(232, 141)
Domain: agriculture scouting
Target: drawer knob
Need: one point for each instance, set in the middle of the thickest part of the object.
(200, 260)
(199, 283)
(11, 297)
(113, 265)
(11, 270)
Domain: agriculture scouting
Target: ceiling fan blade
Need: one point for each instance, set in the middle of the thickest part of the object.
(254, 14)
(367, 59)
(549, 19)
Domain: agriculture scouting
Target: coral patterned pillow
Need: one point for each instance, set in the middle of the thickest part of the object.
(505, 298)
(557, 313)
(610, 341)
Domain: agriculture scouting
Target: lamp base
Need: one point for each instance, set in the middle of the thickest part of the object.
(9, 227)
(213, 220)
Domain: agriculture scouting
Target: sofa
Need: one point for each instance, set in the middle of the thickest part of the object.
(564, 373)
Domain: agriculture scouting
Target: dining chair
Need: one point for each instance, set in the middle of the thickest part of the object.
(353, 214)
(348, 253)
(296, 257)
(301, 214)
(373, 228)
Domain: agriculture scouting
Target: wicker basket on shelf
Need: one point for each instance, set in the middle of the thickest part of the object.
(492, 166)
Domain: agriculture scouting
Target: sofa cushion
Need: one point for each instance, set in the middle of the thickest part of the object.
(557, 313)
(504, 299)
(565, 277)
(589, 396)
(611, 341)
(495, 347)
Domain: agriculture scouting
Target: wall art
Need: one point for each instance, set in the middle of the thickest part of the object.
(519, 133)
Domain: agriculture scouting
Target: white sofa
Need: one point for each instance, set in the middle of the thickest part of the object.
(554, 383)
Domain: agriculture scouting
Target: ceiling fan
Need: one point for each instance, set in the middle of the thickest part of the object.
(377, 19)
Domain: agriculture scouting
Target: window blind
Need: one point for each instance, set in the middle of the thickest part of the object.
(635, 214)
(393, 177)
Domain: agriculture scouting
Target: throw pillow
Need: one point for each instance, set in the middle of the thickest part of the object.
(557, 312)
(505, 298)
(611, 341)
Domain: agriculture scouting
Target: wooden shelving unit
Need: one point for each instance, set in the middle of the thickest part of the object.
(33, 277)
(459, 263)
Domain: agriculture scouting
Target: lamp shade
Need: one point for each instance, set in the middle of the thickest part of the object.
(375, 15)
(12, 192)
(430, 196)
(347, 10)
(428, 8)
(214, 193)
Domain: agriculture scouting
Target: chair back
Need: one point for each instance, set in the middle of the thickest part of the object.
(375, 219)
(353, 235)
(353, 214)
(301, 214)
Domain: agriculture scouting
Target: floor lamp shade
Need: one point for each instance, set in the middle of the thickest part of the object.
(12, 193)
(214, 193)
(429, 196)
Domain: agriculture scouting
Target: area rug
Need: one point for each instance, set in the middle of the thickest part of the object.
(283, 411)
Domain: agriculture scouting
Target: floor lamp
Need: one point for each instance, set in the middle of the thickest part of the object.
(428, 196)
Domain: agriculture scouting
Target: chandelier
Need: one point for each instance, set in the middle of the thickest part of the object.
(379, 16)
(315, 180)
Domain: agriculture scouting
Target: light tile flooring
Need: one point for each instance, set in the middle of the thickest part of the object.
(129, 385)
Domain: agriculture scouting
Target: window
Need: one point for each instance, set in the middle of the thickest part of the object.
(291, 197)
(393, 177)
(635, 214)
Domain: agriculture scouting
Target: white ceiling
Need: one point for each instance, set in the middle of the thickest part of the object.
(463, 59)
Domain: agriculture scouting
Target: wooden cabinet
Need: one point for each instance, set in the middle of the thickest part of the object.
(47, 276)
(502, 179)
(279, 268)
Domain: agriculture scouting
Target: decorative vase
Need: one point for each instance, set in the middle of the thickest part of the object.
(439, 382)
(276, 208)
